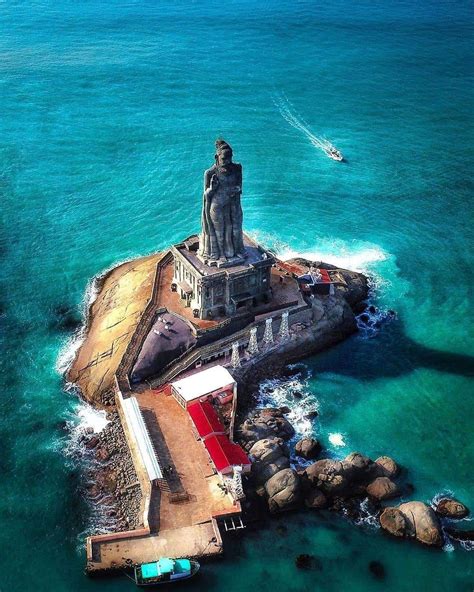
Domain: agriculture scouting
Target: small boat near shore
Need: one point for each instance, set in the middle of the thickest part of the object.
(165, 571)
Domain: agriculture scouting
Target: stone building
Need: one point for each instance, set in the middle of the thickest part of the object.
(213, 291)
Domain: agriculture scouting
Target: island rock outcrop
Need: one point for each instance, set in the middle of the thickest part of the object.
(413, 520)
(451, 508)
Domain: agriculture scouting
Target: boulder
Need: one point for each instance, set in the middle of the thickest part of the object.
(393, 521)
(414, 520)
(358, 468)
(268, 456)
(451, 508)
(265, 423)
(422, 523)
(308, 448)
(382, 488)
(386, 467)
(283, 490)
(327, 475)
(315, 499)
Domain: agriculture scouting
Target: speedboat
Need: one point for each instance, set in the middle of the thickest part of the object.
(333, 153)
(165, 571)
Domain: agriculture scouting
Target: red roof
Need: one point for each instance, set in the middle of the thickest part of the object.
(324, 276)
(224, 453)
(205, 419)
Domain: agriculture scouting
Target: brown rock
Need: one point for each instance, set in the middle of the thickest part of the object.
(393, 521)
(422, 523)
(315, 499)
(269, 456)
(357, 467)
(451, 508)
(382, 488)
(283, 490)
(386, 467)
(327, 475)
(92, 442)
(265, 423)
(308, 448)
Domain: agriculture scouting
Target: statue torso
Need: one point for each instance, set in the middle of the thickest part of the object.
(229, 180)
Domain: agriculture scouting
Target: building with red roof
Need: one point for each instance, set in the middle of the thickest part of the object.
(205, 419)
(225, 454)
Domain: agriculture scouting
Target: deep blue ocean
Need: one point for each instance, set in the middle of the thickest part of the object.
(108, 115)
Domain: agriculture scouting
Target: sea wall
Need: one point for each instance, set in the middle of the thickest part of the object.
(110, 323)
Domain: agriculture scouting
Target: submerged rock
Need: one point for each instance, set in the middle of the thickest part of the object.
(377, 569)
(283, 490)
(451, 508)
(460, 535)
(306, 561)
(308, 448)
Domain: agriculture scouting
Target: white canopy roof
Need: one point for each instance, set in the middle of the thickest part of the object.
(139, 433)
(204, 382)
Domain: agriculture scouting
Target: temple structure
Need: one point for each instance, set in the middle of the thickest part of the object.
(222, 270)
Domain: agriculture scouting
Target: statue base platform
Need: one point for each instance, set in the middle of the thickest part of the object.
(222, 264)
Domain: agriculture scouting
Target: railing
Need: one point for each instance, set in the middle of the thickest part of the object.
(142, 329)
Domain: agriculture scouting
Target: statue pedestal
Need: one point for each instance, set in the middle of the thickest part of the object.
(223, 264)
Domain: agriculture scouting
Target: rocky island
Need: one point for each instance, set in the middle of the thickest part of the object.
(173, 348)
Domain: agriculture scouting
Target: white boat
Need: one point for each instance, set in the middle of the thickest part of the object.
(333, 153)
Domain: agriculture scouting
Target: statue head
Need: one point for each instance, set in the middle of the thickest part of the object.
(223, 153)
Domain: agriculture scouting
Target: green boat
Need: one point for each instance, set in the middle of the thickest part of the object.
(165, 571)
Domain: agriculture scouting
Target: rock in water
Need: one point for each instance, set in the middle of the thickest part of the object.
(308, 448)
(306, 561)
(422, 523)
(265, 423)
(377, 570)
(393, 521)
(386, 467)
(269, 456)
(327, 475)
(283, 490)
(382, 488)
(451, 508)
(315, 499)
(414, 520)
(357, 467)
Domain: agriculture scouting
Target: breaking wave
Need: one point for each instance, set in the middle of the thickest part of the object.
(337, 439)
(292, 392)
(83, 422)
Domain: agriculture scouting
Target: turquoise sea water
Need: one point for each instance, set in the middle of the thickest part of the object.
(108, 113)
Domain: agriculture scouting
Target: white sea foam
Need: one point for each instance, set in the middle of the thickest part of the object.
(289, 113)
(360, 260)
(337, 439)
(294, 393)
(366, 517)
(85, 420)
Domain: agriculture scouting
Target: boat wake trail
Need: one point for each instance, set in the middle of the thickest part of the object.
(288, 112)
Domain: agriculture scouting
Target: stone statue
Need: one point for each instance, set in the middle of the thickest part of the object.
(221, 239)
